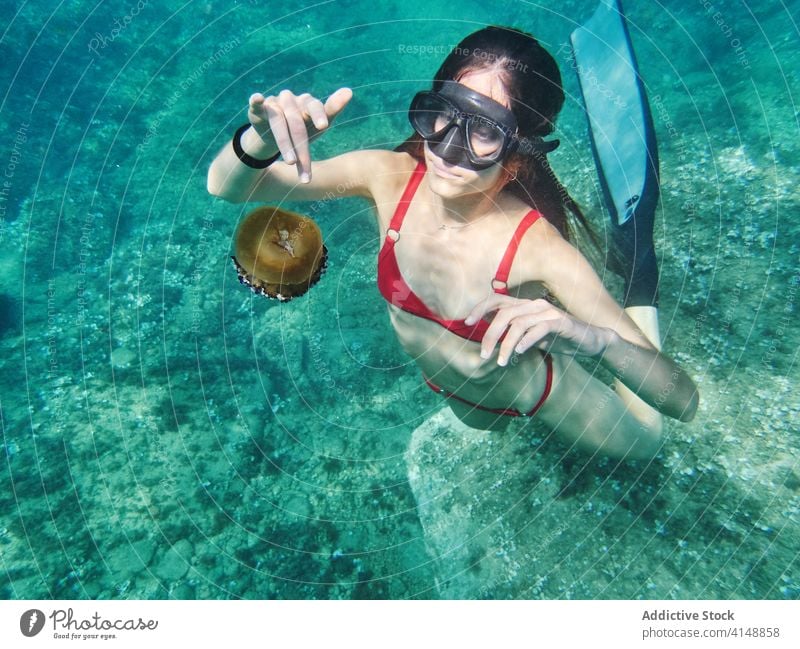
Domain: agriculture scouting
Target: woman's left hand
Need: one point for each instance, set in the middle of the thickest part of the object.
(535, 323)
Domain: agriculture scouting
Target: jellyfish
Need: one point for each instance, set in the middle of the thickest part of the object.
(279, 254)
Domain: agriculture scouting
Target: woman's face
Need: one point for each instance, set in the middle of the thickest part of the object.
(452, 181)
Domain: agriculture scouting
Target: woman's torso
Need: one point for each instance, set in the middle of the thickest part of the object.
(451, 270)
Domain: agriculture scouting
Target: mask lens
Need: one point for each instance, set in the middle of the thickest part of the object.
(486, 139)
(430, 115)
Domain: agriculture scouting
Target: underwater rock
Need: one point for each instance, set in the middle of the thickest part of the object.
(174, 563)
(122, 357)
(128, 559)
(476, 495)
(499, 522)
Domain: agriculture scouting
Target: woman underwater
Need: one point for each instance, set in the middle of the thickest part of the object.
(485, 293)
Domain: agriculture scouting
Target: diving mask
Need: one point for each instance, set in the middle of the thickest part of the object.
(468, 129)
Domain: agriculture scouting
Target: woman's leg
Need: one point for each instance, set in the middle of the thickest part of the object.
(593, 417)
(646, 318)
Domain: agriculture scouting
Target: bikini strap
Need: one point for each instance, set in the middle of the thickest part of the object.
(408, 194)
(500, 281)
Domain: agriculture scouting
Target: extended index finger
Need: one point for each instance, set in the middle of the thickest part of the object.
(337, 101)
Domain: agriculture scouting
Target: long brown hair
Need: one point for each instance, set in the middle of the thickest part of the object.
(532, 82)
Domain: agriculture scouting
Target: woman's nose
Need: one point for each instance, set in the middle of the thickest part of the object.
(451, 147)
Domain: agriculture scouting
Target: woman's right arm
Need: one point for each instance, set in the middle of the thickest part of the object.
(286, 124)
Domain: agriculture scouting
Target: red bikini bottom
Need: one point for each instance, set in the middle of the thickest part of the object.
(510, 412)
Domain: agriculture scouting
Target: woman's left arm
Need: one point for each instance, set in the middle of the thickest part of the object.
(592, 325)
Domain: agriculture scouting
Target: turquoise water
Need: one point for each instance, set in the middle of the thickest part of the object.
(166, 434)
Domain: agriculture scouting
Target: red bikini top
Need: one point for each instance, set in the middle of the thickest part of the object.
(394, 288)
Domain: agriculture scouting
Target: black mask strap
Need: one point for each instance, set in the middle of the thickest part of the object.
(533, 146)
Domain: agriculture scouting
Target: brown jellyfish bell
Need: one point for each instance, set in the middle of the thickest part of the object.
(279, 254)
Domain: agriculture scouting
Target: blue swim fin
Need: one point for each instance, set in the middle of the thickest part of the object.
(623, 143)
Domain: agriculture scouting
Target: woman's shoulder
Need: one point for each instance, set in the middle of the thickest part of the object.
(387, 171)
(538, 225)
(543, 251)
